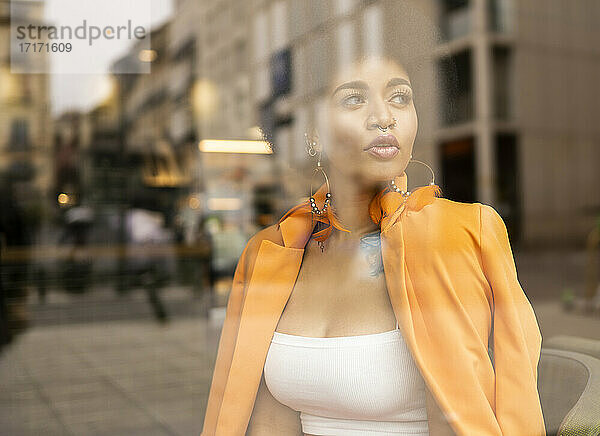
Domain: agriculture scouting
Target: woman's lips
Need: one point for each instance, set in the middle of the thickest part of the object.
(383, 152)
(383, 147)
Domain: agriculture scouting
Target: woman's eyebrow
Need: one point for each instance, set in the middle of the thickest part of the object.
(397, 81)
(357, 84)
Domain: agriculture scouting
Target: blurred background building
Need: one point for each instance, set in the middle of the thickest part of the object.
(25, 122)
(505, 128)
(25, 168)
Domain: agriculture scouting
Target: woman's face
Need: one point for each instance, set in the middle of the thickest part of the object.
(374, 92)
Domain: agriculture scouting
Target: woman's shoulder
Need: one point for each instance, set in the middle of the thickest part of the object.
(454, 209)
(474, 211)
(452, 216)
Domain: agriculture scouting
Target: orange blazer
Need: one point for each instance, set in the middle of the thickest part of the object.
(453, 286)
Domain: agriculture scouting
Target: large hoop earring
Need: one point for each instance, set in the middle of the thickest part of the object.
(407, 193)
(428, 167)
(313, 149)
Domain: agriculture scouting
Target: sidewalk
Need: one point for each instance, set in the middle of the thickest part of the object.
(102, 304)
(111, 378)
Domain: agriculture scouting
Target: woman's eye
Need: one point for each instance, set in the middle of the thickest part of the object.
(353, 100)
(401, 97)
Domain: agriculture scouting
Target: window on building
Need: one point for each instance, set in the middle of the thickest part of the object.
(458, 169)
(455, 18)
(501, 15)
(281, 72)
(19, 134)
(457, 88)
(503, 82)
(507, 183)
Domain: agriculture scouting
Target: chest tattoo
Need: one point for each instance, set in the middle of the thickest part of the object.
(370, 245)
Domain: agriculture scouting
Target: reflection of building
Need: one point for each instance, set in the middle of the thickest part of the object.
(520, 129)
(510, 118)
(157, 176)
(25, 126)
(68, 169)
(223, 100)
(182, 49)
(88, 166)
(105, 172)
(183, 53)
(223, 70)
(145, 100)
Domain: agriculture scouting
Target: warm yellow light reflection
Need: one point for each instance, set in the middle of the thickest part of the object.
(194, 203)
(105, 88)
(9, 85)
(224, 203)
(147, 55)
(205, 97)
(63, 198)
(234, 146)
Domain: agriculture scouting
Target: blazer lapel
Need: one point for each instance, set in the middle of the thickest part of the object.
(275, 272)
(393, 253)
(387, 209)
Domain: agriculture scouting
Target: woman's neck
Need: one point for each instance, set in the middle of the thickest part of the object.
(350, 200)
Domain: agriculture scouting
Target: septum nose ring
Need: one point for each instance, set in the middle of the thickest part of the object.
(385, 129)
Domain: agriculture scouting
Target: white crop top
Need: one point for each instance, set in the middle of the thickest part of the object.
(349, 385)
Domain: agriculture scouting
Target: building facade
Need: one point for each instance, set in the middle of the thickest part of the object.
(25, 121)
(225, 103)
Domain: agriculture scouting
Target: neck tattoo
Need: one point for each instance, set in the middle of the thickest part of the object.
(370, 244)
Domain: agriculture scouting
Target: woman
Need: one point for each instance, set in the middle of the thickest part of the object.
(323, 337)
